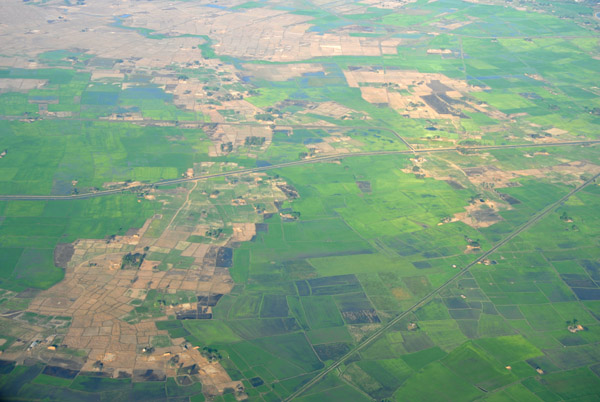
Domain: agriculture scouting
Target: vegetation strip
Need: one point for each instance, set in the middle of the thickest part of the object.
(23, 197)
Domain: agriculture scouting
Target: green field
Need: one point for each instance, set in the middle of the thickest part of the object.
(372, 248)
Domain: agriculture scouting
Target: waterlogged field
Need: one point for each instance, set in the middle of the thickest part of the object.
(342, 201)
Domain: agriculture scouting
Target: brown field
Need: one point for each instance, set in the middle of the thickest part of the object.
(100, 296)
(20, 84)
(237, 135)
(333, 109)
(481, 214)
(282, 72)
(262, 33)
(568, 172)
(411, 93)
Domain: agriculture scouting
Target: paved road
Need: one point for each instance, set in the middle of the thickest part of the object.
(26, 197)
(411, 150)
(536, 218)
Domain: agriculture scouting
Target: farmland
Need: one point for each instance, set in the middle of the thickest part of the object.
(273, 201)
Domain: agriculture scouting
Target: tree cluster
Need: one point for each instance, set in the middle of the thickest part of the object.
(132, 261)
(211, 354)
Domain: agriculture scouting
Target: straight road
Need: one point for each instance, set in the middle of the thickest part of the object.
(26, 197)
(536, 218)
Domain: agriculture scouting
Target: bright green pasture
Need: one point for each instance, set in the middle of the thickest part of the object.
(90, 154)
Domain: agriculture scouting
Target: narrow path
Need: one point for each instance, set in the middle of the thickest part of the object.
(536, 218)
(185, 203)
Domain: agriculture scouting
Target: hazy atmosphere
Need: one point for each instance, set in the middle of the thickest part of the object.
(308, 200)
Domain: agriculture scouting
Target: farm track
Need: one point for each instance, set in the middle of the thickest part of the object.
(536, 218)
(412, 151)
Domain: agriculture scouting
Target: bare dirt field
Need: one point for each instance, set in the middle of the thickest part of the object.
(101, 291)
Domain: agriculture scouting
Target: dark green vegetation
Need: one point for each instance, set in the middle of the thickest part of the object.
(71, 155)
(34, 385)
(132, 261)
(359, 240)
(30, 232)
